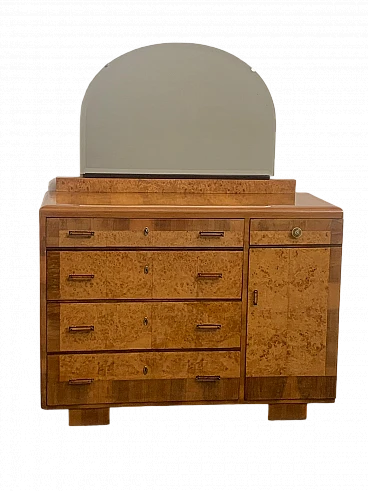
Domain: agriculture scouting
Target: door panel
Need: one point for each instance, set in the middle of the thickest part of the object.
(287, 328)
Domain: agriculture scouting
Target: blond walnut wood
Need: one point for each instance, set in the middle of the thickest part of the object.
(142, 325)
(138, 274)
(307, 231)
(123, 232)
(287, 328)
(115, 211)
(117, 377)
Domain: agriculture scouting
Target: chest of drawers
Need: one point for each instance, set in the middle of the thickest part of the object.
(198, 295)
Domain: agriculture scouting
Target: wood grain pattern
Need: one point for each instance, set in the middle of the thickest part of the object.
(129, 199)
(43, 321)
(160, 365)
(278, 232)
(181, 186)
(290, 388)
(287, 411)
(287, 329)
(88, 417)
(243, 339)
(142, 325)
(333, 311)
(119, 377)
(121, 274)
(124, 232)
(115, 326)
(176, 274)
(174, 325)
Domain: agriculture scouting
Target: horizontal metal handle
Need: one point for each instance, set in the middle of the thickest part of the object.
(211, 234)
(81, 233)
(208, 326)
(212, 276)
(81, 276)
(80, 381)
(81, 328)
(208, 378)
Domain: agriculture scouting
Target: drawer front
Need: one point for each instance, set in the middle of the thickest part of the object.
(196, 325)
(139, 325)
(139, 274)
(295, 231)
(123, 232)
(143, 377)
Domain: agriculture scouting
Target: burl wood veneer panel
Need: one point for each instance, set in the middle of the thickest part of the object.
(196, 325)
(143, 274)
(142, 325)
(181, 186)
(124, 232)
(271, 231)
(119, 377)
(295, 315)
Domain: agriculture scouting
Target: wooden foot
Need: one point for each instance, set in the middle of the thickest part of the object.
(88, 417)
(287, 411)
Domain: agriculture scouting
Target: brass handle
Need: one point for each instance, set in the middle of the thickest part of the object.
(81, 233)
(146, 231)
(80, 381)
(255, 297)
(145, 321)
(208, 326)
(146, 270)
(145, 370)
(296, 232)
(208, 378)
(81, 328)
(211, 234)
(212, 276)
(81, 277)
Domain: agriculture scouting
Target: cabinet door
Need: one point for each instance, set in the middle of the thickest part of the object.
(292, 320)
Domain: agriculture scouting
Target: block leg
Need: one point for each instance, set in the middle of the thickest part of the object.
(287, 411)
(88, 417)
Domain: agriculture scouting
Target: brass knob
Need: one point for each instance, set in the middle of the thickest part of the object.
(146, 269)
(146, 231)
(145, 321)
(296, 232)
(145, 370)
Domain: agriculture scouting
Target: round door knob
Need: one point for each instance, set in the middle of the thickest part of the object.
(146, 231)
(296, 232)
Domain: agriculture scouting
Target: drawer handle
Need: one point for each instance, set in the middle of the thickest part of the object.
(145, 321)
(296, 232)
(146, 231)
(80, 381)
(81, 233)
(255, 297)
(145, 370)
(146, 270)
(81, 328)
(210, 276)
(86, 277)
(207, 327)
(208, 378)
(211, 234)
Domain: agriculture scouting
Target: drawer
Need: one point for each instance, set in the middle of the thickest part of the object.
(139, 325)
(143, 377)
(143, 274)
(123, 232)
(295, 231)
